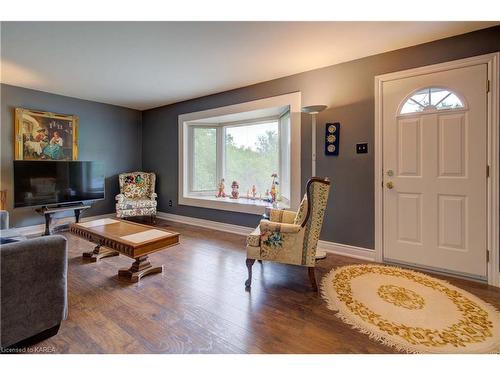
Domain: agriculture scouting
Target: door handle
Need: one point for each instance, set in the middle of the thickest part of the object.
(389, 185)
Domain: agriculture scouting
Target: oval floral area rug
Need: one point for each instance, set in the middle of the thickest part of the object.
(410, 311)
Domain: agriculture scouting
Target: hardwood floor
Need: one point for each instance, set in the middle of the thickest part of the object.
(199, 304)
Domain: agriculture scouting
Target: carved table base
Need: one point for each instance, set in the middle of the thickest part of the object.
(141, 267)
(98, 253)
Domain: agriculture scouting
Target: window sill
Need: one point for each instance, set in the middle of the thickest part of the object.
(242, 204)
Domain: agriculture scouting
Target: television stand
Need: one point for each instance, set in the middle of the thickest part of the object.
(49, 211)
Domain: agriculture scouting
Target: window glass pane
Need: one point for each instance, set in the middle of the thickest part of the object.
(204, 174)
(411, 107)
(438, 94)
(450, 101)
(431, 98)
(251, 156)
(421, 97)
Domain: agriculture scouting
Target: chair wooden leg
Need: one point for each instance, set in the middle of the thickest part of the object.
(312, 278)
(250, 263)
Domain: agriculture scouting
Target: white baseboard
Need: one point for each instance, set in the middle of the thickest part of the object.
(347, 250)
(33, 230)
(329, 247)
(209, 224)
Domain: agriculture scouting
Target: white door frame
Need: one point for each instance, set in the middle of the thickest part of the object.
(492, 60)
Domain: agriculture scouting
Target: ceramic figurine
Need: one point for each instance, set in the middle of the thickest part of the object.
(254, 192)
(234, 190)
(221, 187)
(274, 189)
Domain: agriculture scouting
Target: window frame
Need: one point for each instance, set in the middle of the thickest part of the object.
(188, 122)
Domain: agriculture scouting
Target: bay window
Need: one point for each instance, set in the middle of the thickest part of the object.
(247, 147)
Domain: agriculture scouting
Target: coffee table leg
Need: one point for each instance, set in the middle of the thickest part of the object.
(98, 253)
(141, 267)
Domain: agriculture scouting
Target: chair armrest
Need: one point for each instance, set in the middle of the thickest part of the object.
(120, 198)
(269, 226)
(34, 287)
(282, 216)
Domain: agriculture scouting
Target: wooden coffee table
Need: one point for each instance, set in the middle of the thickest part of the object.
(137, 241)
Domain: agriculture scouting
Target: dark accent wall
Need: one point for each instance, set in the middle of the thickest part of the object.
(107, 133)
(348, 90)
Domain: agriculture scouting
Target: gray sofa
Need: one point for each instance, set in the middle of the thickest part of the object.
(33, 283)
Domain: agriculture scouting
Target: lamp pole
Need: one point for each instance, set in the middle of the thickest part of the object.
(313, 144)
(313, 110)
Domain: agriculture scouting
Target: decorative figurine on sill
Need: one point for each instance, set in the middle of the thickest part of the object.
(274, 190)
(234, 190)
(221, 187)
(254, 192)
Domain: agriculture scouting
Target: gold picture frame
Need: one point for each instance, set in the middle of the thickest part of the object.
(43, 135)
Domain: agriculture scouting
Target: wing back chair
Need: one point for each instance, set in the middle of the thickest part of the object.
(137, 195)
(291, 237)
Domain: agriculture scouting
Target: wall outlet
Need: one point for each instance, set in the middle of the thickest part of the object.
(361, 148)
(170, 203)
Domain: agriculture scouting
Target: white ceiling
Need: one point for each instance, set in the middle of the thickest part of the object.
(143, 65)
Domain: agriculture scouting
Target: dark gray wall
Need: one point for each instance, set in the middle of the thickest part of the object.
(107, 133)
(348, 90)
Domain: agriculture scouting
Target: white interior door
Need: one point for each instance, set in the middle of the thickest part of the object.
(435, 170)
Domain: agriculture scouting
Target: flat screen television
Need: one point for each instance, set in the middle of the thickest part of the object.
(41, 183)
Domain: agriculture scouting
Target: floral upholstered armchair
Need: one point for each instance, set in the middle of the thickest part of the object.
(137, 195)
(291, 237)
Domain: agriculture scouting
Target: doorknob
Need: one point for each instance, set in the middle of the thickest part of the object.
(389, 185)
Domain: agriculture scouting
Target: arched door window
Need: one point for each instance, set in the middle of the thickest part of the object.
(431, 99)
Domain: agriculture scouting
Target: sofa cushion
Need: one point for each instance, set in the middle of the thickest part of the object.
(33, 277)
(136, 212)
(128, 204)
(136, 185)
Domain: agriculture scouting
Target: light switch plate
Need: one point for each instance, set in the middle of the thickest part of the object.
(361, 148)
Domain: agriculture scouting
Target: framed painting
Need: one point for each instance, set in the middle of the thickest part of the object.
(45, 135)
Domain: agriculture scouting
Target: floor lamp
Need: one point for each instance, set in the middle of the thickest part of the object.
(313, 110)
